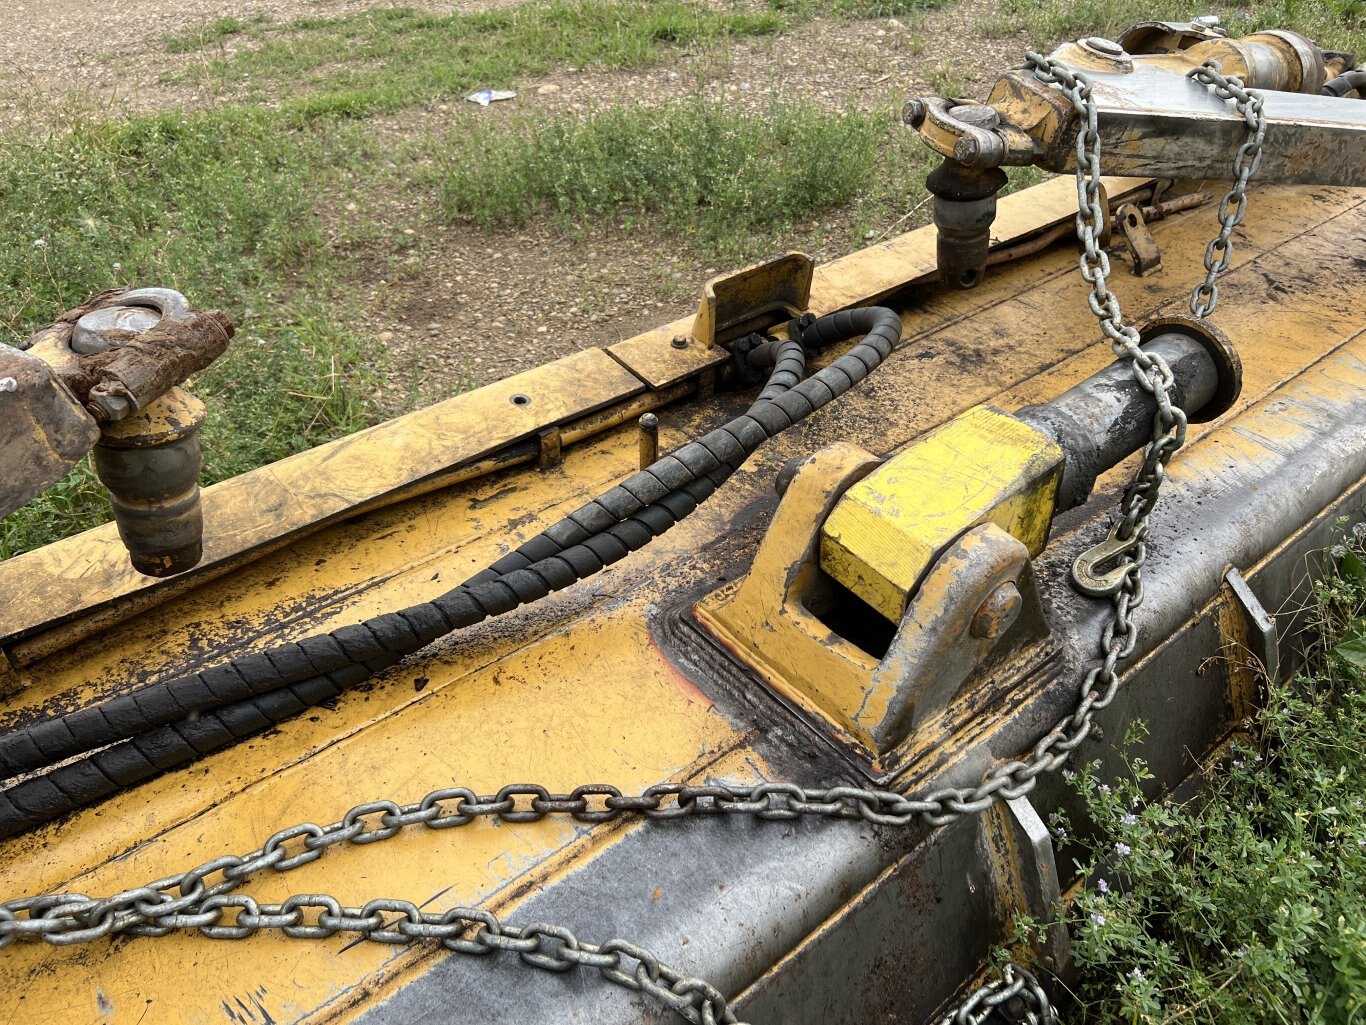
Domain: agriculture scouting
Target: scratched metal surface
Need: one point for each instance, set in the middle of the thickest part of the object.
(612, 681)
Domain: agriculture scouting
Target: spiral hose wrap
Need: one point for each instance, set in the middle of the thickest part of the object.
(160, 726)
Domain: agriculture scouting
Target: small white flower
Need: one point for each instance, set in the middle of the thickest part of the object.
(1338, 551)
(1104, 788)
(1129, 819)
(1123, 849)
(40, 243)
(1137, 975)
(1359, 529)
(1102, 885)
(1098, 918)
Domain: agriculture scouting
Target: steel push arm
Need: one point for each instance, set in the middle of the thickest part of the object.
(1157, 115)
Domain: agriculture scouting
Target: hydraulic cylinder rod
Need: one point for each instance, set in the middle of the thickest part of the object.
(1108, 416)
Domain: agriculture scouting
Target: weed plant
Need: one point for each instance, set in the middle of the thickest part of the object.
(714, 174)
(1247, 904)
(1334, 24)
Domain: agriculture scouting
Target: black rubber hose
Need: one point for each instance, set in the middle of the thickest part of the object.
(661, 495)
(1351, 81)
(788, 360)
(375, 644)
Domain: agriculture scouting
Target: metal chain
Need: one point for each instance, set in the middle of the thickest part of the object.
(189, 900)
(1017, 989)
(1233, 206)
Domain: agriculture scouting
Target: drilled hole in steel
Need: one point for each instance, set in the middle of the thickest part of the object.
(1133, 221)
(968, 278)
(521, 400)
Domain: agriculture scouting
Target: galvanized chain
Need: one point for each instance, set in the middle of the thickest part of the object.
(1233, 206)
(1016, 992)
(189, 900)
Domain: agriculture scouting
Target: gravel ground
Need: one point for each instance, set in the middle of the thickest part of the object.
(470, 307)
(107, 45)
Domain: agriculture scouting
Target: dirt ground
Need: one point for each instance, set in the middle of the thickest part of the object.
(470, 307)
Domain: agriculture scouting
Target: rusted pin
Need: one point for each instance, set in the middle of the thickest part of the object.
(649, 439)
(997, 613)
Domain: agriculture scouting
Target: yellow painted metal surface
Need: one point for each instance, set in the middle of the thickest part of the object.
(754, 297)
(982, 467)
(768, 617)
(584, 686)
(482, 725)
(248, 513)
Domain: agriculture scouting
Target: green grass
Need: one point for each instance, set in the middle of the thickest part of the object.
(383, 60)
(1334, 24)
(222, 206)
(215, 204)
(209, 35)
(1246, 905)
(710, 174)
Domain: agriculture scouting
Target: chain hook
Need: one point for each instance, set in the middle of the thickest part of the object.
(1087, 574)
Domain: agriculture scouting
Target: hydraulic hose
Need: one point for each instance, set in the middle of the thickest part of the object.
(178, 721)
(1350, 81)
(374, 645)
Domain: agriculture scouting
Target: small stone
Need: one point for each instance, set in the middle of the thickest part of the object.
(385, 336)
(547, 90)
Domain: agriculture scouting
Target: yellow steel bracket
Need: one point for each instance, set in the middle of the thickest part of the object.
(939, 540)
(981, 467)
(753, 298)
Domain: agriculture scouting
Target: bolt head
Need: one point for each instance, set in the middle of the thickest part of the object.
(913, 113)
(108, 328)
(1102, 45)
(998, 613)
(679, 341)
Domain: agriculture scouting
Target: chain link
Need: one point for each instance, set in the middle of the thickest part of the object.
(1015, 991)
(1233, 206)
(206, 898)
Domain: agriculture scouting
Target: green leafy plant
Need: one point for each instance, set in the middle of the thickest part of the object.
(1247, 903)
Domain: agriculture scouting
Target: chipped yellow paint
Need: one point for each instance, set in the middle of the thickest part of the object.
(982, 467)
(480, 727)
(768, 618)
(576, 688)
